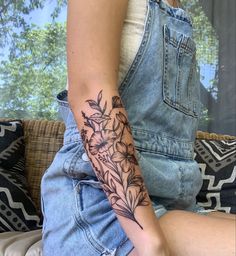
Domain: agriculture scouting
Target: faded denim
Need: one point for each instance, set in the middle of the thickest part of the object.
(161, 95)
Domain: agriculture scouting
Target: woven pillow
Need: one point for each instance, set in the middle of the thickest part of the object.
(217, 161)
(17, 210)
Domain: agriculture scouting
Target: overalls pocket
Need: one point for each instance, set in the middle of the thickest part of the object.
(181, 84)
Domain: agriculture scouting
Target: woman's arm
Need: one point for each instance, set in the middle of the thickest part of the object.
(93, 50)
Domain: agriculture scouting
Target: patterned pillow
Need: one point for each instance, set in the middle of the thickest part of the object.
(217, 161)
(17, 210)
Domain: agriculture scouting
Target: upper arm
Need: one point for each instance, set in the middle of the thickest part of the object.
(94, 29)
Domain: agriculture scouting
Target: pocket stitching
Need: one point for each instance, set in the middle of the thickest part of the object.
(82, 222)
(183, 48)
(126, 82)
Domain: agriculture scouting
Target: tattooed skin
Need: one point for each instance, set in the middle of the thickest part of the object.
(113, 158)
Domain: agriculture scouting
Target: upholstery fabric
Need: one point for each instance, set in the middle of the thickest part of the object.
(43, 139)
(217, 161)
(17, 210)
(21, 243)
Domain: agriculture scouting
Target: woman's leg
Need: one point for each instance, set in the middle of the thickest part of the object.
(192, 234)
(222, 215)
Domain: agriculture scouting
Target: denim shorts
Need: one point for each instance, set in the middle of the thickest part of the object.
(78, 218)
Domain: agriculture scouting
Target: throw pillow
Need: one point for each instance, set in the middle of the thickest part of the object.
(217, 161)
(17, 210)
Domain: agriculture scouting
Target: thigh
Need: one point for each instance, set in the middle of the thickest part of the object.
(224, 215)
(192, 234)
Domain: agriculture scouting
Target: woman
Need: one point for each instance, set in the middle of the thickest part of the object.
(125, 182)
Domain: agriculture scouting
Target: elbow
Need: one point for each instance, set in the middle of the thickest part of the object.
(74, 96)
(80, 90)
(77, 94)
(71, 100)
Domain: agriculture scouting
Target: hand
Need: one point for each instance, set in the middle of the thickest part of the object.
(154, 244)
(151, 250)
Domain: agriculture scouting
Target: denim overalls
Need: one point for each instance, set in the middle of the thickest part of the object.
(161, 95)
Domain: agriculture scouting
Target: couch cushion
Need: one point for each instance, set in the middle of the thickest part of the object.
(43, 138)
(21, 243)
(17, 210)
(217, 161)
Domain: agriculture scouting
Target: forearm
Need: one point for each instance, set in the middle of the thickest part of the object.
(94, 31)
(105, 131)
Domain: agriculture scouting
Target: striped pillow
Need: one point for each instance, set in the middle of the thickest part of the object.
(217, 161)
(17, 210)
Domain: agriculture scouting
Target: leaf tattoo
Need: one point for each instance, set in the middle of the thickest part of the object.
(112, 157)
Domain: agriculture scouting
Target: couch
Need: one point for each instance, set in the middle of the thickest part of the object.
(42, 140)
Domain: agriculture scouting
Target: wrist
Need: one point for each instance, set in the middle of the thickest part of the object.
(153, 235)
(153, 243)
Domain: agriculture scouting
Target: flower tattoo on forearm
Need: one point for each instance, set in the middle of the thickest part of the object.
(105, 134)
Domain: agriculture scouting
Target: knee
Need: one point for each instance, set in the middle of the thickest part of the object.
(174, 215)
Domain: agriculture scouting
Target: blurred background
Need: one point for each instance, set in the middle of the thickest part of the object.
(33, 59)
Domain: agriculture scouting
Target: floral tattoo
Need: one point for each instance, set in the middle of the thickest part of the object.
(114, 159)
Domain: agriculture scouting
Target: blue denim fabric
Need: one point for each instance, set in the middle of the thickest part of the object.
(161, 95)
